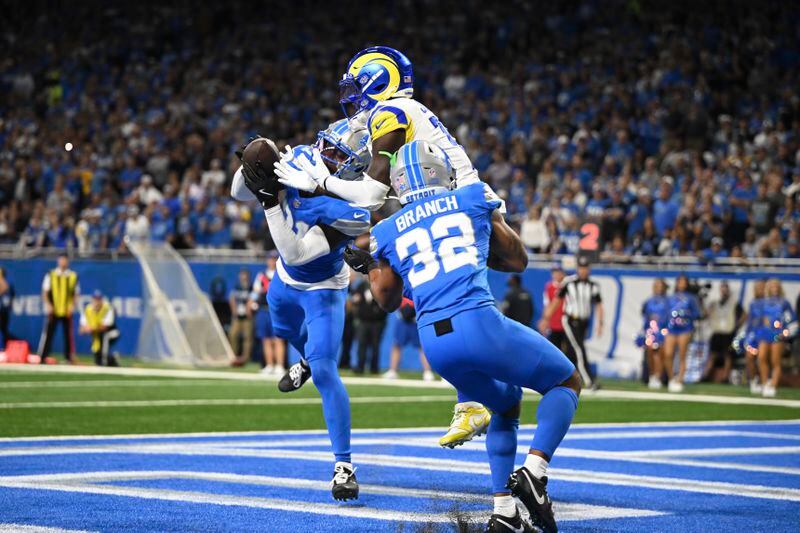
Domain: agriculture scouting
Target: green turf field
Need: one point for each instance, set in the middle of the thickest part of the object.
(37, 403)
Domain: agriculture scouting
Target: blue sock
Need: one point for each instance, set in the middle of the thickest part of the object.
(335, 405)
(501, 445)
(553, 418)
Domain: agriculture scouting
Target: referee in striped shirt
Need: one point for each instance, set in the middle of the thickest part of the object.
(580, 296)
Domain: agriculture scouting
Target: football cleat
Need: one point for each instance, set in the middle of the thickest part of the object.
(297, 375)
(344, 485)
(470, 420)
(532, 492)
(503, 524)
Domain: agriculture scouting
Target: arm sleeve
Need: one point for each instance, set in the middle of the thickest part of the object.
(596, 298)
(239, 190)
(83, 321)
(562, 291)
(46, 282)
(367, 193)
(295, 250)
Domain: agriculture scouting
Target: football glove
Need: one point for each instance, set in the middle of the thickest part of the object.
(359, 260)
(291, 174)
(258, 180)
(316, 167)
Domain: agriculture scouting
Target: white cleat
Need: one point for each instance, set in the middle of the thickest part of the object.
(675, 386)
(391, 374)
(654, 383)
(755, 387)
(428, 375)
(769, 391)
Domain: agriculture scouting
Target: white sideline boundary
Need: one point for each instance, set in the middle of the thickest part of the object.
(408, 383)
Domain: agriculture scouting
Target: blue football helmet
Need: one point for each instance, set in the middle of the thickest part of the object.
(375, 74)
(345, 149)
(420, 170)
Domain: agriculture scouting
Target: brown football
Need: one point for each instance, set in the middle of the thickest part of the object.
(261, 150)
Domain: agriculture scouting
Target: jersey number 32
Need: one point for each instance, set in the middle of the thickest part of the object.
(454, 251)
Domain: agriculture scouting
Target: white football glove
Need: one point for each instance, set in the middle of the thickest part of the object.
(315, 167)
(290, 176)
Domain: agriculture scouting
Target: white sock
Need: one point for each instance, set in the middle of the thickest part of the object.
(537, 465)
(346, 465)
(505, 506)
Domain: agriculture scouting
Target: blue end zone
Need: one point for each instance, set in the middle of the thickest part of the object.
(660, 477)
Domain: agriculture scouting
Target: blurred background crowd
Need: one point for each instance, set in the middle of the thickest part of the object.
(676, 133)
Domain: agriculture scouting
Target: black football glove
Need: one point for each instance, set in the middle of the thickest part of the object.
(260, 181)
(359, 260)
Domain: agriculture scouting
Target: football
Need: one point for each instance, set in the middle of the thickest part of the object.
(261, 150)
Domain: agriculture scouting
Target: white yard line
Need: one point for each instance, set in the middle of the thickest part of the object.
(113, 383)
(79, 480)
(246, 376)
(25, 528)
(576, 429)
(433, 464)
(670, 457)
(217, 402)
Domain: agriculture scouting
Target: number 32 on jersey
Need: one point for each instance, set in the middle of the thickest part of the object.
(454, 251)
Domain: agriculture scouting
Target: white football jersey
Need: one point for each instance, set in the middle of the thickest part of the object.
(420, 124)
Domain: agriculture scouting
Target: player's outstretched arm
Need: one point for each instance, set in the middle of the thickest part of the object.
(506, 251)
(371, 191)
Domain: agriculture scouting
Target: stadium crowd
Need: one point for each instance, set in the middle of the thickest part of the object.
(675, 133)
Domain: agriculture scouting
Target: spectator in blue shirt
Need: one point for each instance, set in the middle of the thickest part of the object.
(665, 208)
(741, 196)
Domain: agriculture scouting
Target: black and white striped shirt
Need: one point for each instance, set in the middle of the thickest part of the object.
(579, 297)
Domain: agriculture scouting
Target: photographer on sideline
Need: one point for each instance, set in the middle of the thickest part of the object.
(99, 320)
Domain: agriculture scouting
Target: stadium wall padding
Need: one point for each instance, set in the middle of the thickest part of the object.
(623, 293)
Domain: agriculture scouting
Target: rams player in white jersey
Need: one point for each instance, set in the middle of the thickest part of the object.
(377, 93)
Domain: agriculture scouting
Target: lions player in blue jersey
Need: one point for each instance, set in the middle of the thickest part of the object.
(307, 295)
(438, 248)
(377, 93)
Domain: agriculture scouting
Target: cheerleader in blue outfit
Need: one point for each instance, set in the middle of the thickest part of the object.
(655, 312)
(746, 342)
(778, 319)
(684, 310)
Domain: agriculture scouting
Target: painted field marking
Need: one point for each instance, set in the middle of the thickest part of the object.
(83, 483)
(26, 528)
(247, 376)
(669, 457)
(402, 461)
(578, 428)
(113, 383)
(217, 402)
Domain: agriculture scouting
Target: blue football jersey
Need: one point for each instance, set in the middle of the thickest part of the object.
(308, 211)
(439, 246)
